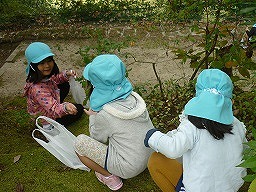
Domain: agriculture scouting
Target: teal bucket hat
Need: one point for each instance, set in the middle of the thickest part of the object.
(213, 97)
(36, 52)
(107, 75)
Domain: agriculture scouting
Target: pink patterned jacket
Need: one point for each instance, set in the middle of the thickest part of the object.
(43, 98)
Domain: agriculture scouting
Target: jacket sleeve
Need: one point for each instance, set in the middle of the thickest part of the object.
(99, 127)
(60, 77)
(49, 104)
(148, 135)
(175, 143)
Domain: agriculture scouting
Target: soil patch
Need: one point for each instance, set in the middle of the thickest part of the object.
(145, 48)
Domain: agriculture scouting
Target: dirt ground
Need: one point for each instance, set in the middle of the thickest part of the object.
(12, 73)
(13, 62)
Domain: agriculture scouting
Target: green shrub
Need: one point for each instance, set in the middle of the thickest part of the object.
(22, 12)
(102, 45)
(164, 111)
(111, 10)
(245, 102)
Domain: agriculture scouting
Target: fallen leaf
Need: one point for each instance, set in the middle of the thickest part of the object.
(19, 188)
(17, 158)
(2, 167)
(230, 64)
(235, 112)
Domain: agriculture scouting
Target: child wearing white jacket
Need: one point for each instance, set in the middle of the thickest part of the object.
(209, 139)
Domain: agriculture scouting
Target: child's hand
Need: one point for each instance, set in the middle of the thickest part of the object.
(70, 108)
(71, 73)
(90, 112)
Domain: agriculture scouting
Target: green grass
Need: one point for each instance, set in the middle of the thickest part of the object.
(37, 170)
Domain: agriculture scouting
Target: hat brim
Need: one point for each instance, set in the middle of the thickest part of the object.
(100, 97)
(38, 60)
(86, 71)
(212, 108)
(41, 58)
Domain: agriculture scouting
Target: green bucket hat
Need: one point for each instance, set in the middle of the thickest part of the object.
(107, 75)
(213, 97)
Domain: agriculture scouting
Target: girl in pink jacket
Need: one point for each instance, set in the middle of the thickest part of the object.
(46, 87)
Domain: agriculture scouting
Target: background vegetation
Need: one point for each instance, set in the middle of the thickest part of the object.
(214, 21)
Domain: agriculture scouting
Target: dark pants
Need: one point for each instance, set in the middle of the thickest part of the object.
(68, 119)
(64, 90)
(179, 184)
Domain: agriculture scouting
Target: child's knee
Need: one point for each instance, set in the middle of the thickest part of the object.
(87, 146)
(153, 160)
(91, 148)
(80, 144)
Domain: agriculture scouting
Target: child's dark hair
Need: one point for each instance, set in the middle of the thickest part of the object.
(216, 129)
(90, 86)
(35, 76)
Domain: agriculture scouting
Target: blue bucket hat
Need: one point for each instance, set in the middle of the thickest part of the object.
(107, 75)
(213, 97)
(37, 52)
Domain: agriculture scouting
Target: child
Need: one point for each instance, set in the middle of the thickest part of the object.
(248, 41)
(118, 122)
(46, 87)
(251, 34)
(209, 139)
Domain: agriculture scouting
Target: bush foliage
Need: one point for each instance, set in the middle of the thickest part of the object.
(29, 12)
